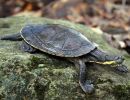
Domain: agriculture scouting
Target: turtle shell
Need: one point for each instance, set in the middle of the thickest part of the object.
(57, 40)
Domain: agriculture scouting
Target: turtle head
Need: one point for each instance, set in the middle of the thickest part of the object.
(106, 59)
(111, 60)
(118, 64)
(119, 59)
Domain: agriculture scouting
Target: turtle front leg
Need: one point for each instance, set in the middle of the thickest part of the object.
(85, 84)
(122, 68)
(27, 48)
(13, 37)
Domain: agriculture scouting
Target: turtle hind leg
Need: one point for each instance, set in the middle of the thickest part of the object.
(85, 84)
(13, 37)
(27, 48)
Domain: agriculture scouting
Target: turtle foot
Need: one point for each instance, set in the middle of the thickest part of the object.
(122, 68)
(87, 87)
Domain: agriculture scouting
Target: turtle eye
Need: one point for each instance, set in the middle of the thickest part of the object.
(119, 57)
(116, 58)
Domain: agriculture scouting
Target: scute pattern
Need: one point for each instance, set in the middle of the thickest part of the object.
(57, 40)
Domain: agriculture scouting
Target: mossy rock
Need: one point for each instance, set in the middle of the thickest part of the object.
(25, 76)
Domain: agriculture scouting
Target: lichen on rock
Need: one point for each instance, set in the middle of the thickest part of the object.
(40, 76)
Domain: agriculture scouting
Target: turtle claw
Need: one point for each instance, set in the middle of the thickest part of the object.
(122, 68)
(87, 87)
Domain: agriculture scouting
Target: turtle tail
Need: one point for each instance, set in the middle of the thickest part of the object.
(13, 37)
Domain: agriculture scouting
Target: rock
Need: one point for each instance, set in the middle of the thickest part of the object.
(25, 76)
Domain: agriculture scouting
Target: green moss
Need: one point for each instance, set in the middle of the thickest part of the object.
(36, 60)
(122, 92)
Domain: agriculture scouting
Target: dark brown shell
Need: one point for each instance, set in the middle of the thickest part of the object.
(57, 40)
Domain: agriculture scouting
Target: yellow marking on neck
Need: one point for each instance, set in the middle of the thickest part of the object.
(105, 63)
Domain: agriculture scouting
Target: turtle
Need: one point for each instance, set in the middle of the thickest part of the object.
(63, 41)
